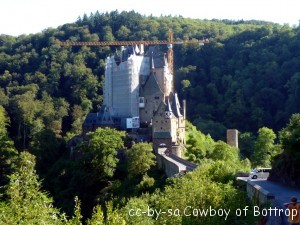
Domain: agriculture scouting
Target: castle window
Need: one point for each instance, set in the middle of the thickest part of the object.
(156, 97)
(146, 112)
(161, 128)
(141, 102)
(161, 114)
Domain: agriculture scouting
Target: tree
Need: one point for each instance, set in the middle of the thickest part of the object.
(198, 190)
(47, 148)
(185, 85)
(224, 152)
(134, 203)
(52, 112)
(27, 204)
(140, 159)
(97, 217)
(290, 136)
(8, 153)
(215, 129)
(112, 216)
(77, 217)
(246, 144)
(294, 93)
(285, 166)
(4, 121)
(123, 33)
(78, 115)
(25, 108)
(101, 150)
(107, 33)
(198, 145)
(3, 97)
(263, 148)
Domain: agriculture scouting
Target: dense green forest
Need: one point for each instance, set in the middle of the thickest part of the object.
(247, 78)
(117, 187)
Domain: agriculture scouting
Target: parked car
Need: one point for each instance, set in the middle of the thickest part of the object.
(260, 173)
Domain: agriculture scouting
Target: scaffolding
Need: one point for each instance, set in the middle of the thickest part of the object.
(121, 86)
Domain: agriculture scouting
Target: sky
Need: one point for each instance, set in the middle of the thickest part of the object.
(32, 16)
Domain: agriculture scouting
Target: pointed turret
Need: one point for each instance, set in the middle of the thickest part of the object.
(168, 113)
(176, 106)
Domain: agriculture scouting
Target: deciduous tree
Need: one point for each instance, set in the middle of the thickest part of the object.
(27, 203)
(101, 150)
(140, 159)
(263, 147)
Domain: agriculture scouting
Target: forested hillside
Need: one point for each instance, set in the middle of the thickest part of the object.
(245, 78)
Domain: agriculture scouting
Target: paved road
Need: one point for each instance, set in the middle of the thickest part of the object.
(182, 164)
(282, 193)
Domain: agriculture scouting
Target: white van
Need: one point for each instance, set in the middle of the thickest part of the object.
(260, 173)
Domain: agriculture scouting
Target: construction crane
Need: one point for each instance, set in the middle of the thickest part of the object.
(170, 42)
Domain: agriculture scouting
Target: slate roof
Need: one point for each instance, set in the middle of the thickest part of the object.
(151, 86)
(168, 107)
(99, 118)
(91, 118)
(161, 108)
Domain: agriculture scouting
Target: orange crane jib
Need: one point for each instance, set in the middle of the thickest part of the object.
(168, 42)
(128, 43)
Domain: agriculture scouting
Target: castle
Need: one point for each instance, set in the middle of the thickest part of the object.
(139, 98)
